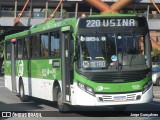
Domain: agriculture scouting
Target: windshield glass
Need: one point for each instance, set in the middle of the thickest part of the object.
(112, 51)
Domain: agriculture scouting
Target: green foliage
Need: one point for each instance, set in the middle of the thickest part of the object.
(155, 52)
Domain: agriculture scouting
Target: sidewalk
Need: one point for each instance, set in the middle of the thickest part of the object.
(156, 93)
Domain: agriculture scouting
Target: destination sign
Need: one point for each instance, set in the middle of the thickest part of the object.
(110, 22)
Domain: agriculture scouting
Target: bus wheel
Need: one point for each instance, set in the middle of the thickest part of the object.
(22, 96)
(158, 82)
(61, 106)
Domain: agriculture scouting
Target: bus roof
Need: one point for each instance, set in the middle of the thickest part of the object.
(114, 15)
(55, 24)
(43, 27)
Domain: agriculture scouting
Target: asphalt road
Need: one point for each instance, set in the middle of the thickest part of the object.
(10, 102)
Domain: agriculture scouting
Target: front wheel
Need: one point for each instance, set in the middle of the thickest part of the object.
(61, 105)
(22, 95)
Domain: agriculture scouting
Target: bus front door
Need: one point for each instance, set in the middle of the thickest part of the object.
(67, 67)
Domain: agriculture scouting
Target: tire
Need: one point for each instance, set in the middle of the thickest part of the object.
(158, 82)
(55, 93)
(60, 104)
(23, 97)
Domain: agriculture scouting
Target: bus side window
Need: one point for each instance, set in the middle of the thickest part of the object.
(55, 46)
(44, 41)
(19, 48)
(8, 50)
(26, 48)
(34, 46)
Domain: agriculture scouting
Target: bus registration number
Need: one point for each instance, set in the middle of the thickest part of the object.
(119, 98)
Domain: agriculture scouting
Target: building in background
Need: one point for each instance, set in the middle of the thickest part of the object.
(38, 11)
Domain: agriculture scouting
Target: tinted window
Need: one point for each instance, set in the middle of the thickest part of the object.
(26, 48)
(55, 47)
(44, 40)
(35, 46)
(8, 50)
(19, 48)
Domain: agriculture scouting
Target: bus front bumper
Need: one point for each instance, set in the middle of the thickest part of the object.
(83, 98)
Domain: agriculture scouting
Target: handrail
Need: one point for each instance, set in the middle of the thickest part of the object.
(53, 14)
(100, 5)
(155, 6)
(155, 44)
(20, 14)
(105, 8)
(120, 4)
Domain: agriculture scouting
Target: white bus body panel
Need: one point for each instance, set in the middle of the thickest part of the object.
(43, 89)
(84, 99)
(8, 82)
(39, 88)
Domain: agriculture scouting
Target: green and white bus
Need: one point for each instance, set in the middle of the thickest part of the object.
(99, 60)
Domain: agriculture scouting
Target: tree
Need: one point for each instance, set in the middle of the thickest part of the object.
(155, 52)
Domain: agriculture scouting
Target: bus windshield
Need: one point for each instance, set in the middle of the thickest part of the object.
(112, 51)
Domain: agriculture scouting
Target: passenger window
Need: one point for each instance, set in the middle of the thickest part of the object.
(8, 50)
(26, 48)
(55, 44)
(19, 48)
(35, 46)
(44, 39)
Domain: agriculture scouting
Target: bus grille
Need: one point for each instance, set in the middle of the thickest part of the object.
(129, 97)
(117, 77)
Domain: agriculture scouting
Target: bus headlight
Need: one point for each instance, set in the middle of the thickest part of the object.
(81, 86)
(146, 86)
(86, 88)
(89, 90)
